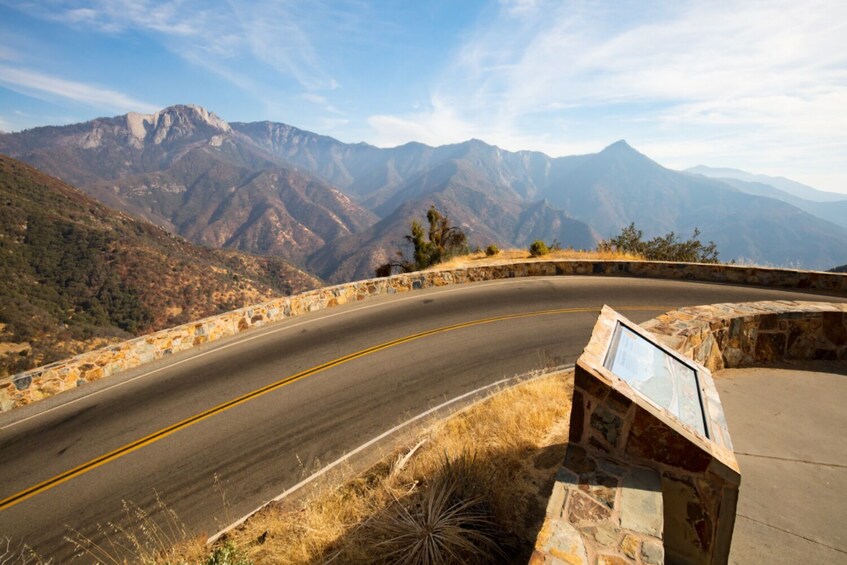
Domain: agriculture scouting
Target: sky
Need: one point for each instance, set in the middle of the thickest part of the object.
(759, 86)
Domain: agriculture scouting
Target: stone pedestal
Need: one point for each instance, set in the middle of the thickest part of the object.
(637, 478)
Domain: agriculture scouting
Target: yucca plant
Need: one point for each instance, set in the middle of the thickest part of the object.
(451, 521)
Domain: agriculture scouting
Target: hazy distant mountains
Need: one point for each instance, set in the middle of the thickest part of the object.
(827, 205)
(782, 184)
(606, 191)
(339, 208)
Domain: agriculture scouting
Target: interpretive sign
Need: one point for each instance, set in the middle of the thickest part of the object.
(663, 378)
(643, 404)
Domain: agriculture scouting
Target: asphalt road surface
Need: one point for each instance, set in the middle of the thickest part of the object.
(255, 413)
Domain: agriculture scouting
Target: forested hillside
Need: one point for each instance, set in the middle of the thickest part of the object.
(77, 274)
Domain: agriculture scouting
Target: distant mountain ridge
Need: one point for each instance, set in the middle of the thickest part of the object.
(783, 184)
(339, 208)
(826, 205)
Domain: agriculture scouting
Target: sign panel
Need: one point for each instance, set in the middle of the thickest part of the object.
(662, 378)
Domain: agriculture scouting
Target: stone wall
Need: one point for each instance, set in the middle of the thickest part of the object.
(738, 335)
(33, 385)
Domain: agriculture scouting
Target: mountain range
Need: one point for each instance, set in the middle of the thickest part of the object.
(339, 209)
(782, 184)
(77, 274)
(827, 205)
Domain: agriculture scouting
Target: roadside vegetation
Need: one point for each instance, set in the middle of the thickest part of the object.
(539, 249)
(446, 246)
(667, 247)
(438, 244)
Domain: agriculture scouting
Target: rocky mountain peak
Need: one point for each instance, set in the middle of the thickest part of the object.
(174, 123)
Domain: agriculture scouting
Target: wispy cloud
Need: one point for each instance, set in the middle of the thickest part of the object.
(580, 54)
(663, 74)
(520, 7)
(277, 34)
(44, 86)
(325, 105)
(115, 16)
(284, 36)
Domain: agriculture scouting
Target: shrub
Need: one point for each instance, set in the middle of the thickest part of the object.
(228, 554)
(662, 248)
(451, 521)
(538, 248)
(492, 250)
(441, 242)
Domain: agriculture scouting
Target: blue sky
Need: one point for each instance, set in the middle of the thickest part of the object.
(760, 86)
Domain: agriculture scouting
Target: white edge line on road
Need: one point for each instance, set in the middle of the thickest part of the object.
(522, 378)
(243, 340)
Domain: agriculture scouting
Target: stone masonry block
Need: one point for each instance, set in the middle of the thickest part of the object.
(618, 402)
(578, 461)
(577, 419)
(652, 440)
(606, 535)
(613, 560)
(770, 346)
(835, 327)
(607, 424)
(560, 540)
(630, 546)
(558, 498)
(584, 510)
(600, 486)
(589, 384)
(652, 552)
(641, 502)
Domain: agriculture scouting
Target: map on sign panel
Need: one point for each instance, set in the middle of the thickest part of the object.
(662, 378)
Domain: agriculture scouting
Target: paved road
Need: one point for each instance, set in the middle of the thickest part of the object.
(375, 374)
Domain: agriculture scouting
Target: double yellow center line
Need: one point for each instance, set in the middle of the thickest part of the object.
(165, 432)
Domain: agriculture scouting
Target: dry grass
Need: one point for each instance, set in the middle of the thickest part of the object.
(512, 255)
(12, 553)
(154, 537)
(511, 443)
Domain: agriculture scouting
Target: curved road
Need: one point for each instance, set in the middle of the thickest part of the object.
(259, 411)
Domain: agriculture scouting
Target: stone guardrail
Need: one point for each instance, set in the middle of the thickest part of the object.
(598, 516)
(25, 388)
(721, 336)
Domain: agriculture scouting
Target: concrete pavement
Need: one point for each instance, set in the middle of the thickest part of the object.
(787, 428)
